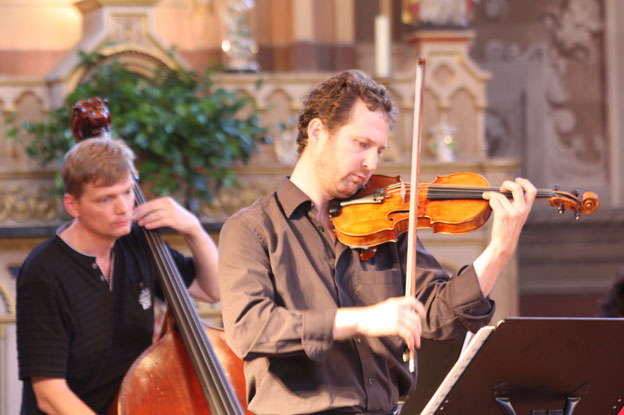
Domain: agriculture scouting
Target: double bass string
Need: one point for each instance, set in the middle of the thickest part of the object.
(210, 373)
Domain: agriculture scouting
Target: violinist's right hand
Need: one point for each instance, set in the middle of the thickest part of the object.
(398, 316)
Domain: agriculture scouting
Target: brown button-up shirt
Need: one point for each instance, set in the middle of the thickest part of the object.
(282, 277)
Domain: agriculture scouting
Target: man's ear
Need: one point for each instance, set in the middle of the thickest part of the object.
(316, 129)
(71, 205)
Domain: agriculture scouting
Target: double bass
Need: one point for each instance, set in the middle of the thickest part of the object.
(189, 369)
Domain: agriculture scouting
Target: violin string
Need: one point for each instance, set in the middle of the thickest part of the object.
(468, 192)
(459, 192)
(461, 188)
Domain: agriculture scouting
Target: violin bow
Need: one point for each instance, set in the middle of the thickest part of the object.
(410, 281)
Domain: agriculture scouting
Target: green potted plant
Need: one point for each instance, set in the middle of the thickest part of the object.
(187, 131)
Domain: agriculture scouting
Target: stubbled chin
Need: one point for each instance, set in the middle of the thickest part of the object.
(123, 229)
(359, 182)
(349, 189)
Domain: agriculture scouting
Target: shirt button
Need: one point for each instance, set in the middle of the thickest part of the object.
(359, 340)
(370, 381)
(102, 278)
(94, 265)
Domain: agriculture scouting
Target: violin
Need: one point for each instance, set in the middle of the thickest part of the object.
(452, 204)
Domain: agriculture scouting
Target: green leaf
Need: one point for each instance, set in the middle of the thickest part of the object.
(185, 129)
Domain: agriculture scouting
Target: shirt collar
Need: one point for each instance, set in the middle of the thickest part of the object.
(291, 197)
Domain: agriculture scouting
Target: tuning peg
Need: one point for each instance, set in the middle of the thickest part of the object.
(575, 192)
(577, 215)
(556, 187)
(561, 209)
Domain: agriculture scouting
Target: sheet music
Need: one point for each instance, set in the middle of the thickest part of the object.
(467, 339)
(458, 368)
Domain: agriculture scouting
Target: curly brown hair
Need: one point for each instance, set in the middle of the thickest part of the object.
(332, 101)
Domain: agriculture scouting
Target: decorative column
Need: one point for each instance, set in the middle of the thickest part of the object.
(456, 96)
(383, 40)
(615, 95)
(454, 120)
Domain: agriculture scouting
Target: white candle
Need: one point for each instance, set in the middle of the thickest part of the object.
(382, 46)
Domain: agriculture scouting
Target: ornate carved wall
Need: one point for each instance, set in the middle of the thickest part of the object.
(548, 78)
(549, 103)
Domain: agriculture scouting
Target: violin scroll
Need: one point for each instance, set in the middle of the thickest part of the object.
(587, 205)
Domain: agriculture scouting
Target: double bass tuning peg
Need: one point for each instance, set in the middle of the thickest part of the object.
(561, 209)
(575, 192)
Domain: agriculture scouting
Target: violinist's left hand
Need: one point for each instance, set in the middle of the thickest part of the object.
(509, 218)
(510, 215)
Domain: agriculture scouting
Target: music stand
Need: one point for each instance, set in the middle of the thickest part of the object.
(537, 366)
(435, 361)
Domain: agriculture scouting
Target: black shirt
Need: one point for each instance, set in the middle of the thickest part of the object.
(71, 325)
(282, 277)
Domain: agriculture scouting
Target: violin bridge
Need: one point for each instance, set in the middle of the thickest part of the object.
(403, 192)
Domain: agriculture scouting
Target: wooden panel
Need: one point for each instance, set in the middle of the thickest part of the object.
(561, 305)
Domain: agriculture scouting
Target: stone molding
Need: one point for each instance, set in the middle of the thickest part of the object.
(19, 204)
(111, 27)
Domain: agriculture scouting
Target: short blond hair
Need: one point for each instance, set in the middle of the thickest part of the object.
(96, 159)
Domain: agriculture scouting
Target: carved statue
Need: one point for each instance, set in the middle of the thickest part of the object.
(438, 13)
(239, 46)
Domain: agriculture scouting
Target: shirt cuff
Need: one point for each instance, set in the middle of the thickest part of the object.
(318, 333)
(473, 308)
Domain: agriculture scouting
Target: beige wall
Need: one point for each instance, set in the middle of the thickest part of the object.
(38, 24)
(190, 24)
(36, 34)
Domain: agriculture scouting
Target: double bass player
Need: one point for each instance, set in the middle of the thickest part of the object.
(85, 296)
(320, 330)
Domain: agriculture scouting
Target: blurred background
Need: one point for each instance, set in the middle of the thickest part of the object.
(513, 88)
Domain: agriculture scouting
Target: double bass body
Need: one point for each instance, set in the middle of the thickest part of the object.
(162, 380)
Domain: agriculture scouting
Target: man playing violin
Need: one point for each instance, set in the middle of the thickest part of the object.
(320, 330)
(85, 297)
